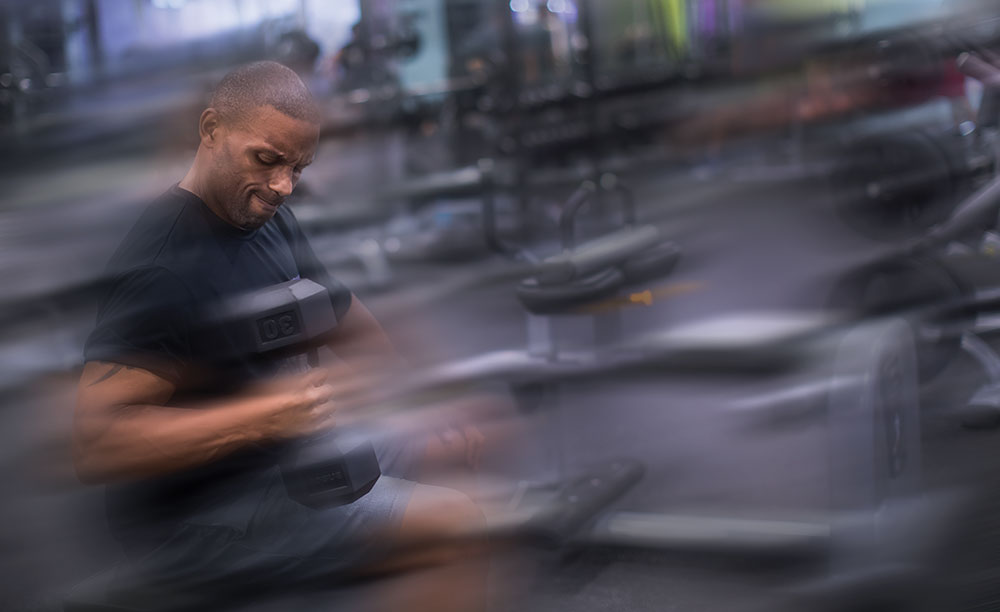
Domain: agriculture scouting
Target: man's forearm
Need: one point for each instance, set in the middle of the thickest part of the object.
(146, 440)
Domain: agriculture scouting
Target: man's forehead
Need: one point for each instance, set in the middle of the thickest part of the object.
(267, 112)
(276, 130)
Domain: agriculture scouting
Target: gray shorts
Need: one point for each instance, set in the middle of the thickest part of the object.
(285, 544)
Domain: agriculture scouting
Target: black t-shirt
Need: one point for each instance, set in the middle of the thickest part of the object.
(177, 264)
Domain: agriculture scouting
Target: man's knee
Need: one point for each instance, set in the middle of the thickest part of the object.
(441, 513)
(440, 526)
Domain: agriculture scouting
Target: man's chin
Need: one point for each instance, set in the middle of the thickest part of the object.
(249, 222)
(257, 222)
(256, 216)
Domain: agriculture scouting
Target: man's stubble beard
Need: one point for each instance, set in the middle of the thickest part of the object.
(240, 213)
(237, 207)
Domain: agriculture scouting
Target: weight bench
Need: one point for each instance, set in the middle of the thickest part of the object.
(584, 275)
(574, 281)
(597, 270)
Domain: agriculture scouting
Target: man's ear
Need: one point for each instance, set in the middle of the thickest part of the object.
(209, 126)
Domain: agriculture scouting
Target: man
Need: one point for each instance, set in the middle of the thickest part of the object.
(185, 438)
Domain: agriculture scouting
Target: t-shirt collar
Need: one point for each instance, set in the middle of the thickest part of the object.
(215, 222)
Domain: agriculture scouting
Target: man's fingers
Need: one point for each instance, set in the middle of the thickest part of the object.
(326, 417)
(315, 377)
(323, 408)
(353, 384)
(319, 394)
(289, 383)
(357, 391)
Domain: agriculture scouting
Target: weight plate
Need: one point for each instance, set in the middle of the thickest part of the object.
(875, 443)
(910, 287)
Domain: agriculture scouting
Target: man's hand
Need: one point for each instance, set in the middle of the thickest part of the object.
(459, 445)
(303, 404)
(309, 402)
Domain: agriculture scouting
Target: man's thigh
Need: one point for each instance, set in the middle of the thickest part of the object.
(286, 544)
(399, 523)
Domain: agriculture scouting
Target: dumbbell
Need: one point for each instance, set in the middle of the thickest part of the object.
(288, 321)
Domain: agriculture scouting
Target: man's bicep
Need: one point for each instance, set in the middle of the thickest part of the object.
(105, 388)
(108, 394)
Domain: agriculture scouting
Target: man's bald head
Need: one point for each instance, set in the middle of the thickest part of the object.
(258, 134)
(260, 84)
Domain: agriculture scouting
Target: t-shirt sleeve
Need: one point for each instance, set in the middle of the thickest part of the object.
(312, 268)
(144, 320)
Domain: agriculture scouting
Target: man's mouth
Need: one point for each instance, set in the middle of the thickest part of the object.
(268, 203)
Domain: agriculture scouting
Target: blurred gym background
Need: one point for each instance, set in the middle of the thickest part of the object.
(780, 145)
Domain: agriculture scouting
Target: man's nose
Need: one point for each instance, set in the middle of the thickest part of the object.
(281, 182)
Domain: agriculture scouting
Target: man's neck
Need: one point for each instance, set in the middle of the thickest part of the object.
(193, 182)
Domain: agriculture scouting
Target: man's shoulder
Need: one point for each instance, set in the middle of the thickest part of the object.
(157, 235)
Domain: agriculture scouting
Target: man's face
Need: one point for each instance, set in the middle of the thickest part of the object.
(258, 163)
